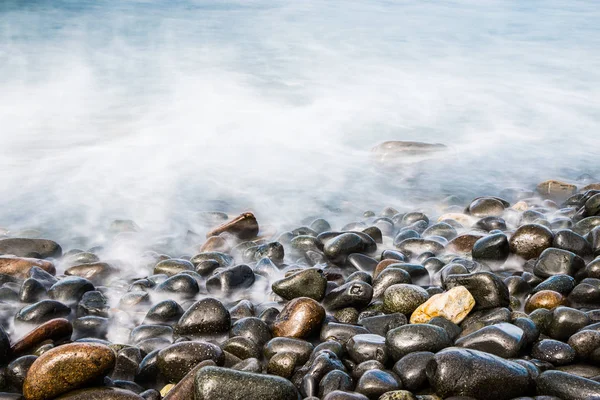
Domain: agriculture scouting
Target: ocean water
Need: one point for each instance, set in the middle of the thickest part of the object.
(156, 110)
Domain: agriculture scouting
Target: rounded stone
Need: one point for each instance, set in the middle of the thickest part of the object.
(530, 240)
(307, 283)
(407, 339)
(173, 266)
(412, 369)
(493, 249)
(472, 373)
(206, 316)
(65, 368)
(547, 299)
(299, 318)
(374, 383)
(404, 298)
(42, 311)
(176, 360)
(486, 207)
(553, 351)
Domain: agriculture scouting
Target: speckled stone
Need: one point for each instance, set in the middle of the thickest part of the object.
(65, 368)
(476, 374)
(404, 298)
(529, 241)
(567, 386)
(222, 383)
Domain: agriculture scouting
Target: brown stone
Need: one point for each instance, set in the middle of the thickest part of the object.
(66, 368)
(383, 264)
(244, 226)
(548, 299)
(53, 330)
(299, 318)
(19, 266)
(556, 188)
(463, 243)
(454, 305)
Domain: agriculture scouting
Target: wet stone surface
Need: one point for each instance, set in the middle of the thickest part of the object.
(491, 297)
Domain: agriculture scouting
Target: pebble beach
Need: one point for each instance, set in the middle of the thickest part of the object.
(497, 298)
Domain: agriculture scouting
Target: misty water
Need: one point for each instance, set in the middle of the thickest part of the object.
(156, 110)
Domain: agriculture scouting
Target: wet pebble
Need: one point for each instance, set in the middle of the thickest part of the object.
(65, 368)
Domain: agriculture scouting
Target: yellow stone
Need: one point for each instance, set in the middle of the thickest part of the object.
(454, 305)
(166, 389)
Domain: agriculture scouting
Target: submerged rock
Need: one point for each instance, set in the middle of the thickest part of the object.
(395, 151)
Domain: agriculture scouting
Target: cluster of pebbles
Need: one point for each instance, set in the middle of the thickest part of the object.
(498, 300)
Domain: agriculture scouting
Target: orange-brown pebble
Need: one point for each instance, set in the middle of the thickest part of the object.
(66, 368)
(548, 299)
(299, 318)
(19, 266)
(54, 330)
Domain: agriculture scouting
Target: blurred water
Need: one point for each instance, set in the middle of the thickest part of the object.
(154, 110)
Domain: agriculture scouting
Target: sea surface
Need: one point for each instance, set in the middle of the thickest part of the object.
(156, 110)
